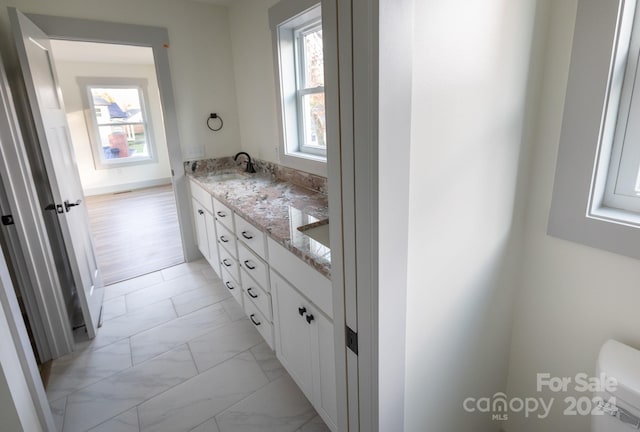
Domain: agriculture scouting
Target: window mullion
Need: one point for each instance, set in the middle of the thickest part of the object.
(312, 90)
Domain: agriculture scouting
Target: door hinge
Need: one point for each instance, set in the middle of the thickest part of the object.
(7, 220)
(352, 340)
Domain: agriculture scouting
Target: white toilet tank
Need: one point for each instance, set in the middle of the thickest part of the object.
(621, 362)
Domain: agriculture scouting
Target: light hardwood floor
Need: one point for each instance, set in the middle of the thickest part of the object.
(135, 232)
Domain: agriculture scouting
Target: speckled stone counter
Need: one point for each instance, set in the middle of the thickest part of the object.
(275, 207)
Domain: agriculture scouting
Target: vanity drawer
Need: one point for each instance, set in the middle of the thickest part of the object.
(254, 266)
(226, 239)
(201, 195)
(252, 237)
(223, 214)
(315, 286)
(264, 326)
(229, 263)
(232, 286)
(257, 295)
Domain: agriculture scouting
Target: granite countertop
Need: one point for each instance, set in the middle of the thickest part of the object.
(275, 207)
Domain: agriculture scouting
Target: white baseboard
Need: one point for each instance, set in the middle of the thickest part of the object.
(127, 186)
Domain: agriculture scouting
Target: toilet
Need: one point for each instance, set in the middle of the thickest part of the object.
(619, 361)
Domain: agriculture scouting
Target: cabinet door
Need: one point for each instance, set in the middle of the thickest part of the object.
(201, 228)
(214, 256)
(293, 341)
(324, 398)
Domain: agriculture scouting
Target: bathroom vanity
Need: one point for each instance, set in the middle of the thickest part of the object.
(266, 239)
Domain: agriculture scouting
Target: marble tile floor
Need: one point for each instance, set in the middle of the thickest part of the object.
(176, 354)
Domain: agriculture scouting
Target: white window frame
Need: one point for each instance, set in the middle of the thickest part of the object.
(140, 84)
(621, 188)
(581, 211)
(290, 20)
(299, 33)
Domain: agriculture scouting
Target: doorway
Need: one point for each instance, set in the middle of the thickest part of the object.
(35, 33)
(115, 121)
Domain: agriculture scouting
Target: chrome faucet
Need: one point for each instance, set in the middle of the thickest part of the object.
(249, 168)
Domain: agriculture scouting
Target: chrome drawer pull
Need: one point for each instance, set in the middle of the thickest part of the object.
(245, 235)
(229, 285)
(246, 262)
(223, 239)
(221, 214)
(226, 263)
(251, 294)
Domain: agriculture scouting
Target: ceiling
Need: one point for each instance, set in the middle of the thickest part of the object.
(90, 52)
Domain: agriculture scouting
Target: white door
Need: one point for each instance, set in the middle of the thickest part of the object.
(50, 119)
(201, 228)
(293, 341)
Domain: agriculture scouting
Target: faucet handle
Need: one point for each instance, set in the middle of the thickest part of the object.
(250, 168)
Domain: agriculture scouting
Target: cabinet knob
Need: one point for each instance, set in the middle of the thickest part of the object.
(302, 310)
(200, 212)
(251, 294)
(309, 318)
(248, 264)
(253, 319)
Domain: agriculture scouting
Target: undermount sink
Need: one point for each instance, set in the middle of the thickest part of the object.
(319, 231)
(227, 176)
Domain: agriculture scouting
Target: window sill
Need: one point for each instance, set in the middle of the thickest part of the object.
(125, 163)
(306, 162)
(616, 216)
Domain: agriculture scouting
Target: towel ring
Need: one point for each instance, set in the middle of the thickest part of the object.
(213, 117)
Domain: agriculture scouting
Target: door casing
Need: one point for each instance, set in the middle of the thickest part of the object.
(29, 230)
(157, 39)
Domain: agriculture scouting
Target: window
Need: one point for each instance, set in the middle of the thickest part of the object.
(622, 189)
(596, 198)
(310, 88)
(298, 54)
(117, 121)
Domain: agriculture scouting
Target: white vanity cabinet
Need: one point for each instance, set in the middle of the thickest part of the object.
(201, 228)
(304, 346)
(288, 302)
(302, 317)
(205, 225)
(223, 214)
(252, 237)
(254, 272)
(214, 256)
(233, 286)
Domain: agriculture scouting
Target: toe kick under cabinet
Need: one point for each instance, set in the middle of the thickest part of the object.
(288, 302)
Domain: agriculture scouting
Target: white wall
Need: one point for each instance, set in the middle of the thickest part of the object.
(96, 181)
(470, 79)
(255, 79)
(199, 57)
(572, 298)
